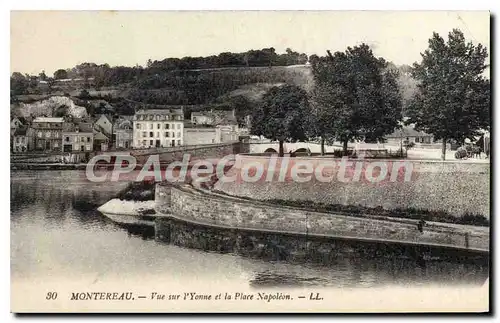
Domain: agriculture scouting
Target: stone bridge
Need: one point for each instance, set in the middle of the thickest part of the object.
(273, 147)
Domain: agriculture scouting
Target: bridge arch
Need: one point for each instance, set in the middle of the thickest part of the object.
(270, 150)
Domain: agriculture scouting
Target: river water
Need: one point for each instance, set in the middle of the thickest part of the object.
(56, 232)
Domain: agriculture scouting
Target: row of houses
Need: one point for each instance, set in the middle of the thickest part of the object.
(148, 128)
(54, 134)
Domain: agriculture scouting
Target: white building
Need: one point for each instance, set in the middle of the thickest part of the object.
(158, 128)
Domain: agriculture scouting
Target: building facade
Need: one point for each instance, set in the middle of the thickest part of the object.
(158, 128)
(22, 140)
(47, 133)
(200, 136)
(124, 133)
(77, 137)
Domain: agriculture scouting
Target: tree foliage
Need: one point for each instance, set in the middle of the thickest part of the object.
(281, 115)
(356, 96)
(453, 96)
(60, 74)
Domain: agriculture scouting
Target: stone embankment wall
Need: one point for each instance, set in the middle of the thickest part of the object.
(216, 210)
(455, 187)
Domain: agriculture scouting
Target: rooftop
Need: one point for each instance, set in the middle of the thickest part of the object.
(407, 131)
(80, 127)
(169, 111)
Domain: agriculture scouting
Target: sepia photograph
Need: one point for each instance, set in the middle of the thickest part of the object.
(250, 161)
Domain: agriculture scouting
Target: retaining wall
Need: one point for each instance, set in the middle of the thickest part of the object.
(455, 187)
(217, 210)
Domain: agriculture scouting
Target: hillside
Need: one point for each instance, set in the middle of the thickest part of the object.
(225, 88)
(48, 107)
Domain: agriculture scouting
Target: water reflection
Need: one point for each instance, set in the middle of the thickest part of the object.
(56, 232)
(296, 261)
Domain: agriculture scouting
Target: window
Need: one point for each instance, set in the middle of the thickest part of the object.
(178, 142)
(178, 134)
(138, 126)
(157, 135)
(67, 139)
(144, 142)
(47, 134)
(39, 134)
(194, 119)
(150, 126)
(18, 140)
(173, 134)
(88, 139)
(151, 134)
(144, 134)
(82, 139)
(158, 126)
(151, 142)
(167, 126)
(167, 134)
(178, 126)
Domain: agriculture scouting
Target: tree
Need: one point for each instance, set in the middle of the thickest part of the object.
(19, 84)
(60, 74)
(281, 115)
(356, 96)
(84, 94)
(42, 76)
(452, 101)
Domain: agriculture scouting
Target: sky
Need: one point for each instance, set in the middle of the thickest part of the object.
(49, 40)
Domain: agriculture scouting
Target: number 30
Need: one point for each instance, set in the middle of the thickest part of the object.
(51, 295)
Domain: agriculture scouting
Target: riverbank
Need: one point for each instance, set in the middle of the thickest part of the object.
(199, 207)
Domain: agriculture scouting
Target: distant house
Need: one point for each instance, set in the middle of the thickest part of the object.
(104, 124)
(228, 133)
(16, 123)
(408, 134)
(22, 139)
(101, 141)
(124, 133)
(213, 117)
(47, 133)
(77, 137)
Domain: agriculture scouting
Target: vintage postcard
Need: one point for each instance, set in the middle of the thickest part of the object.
(250, 161)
